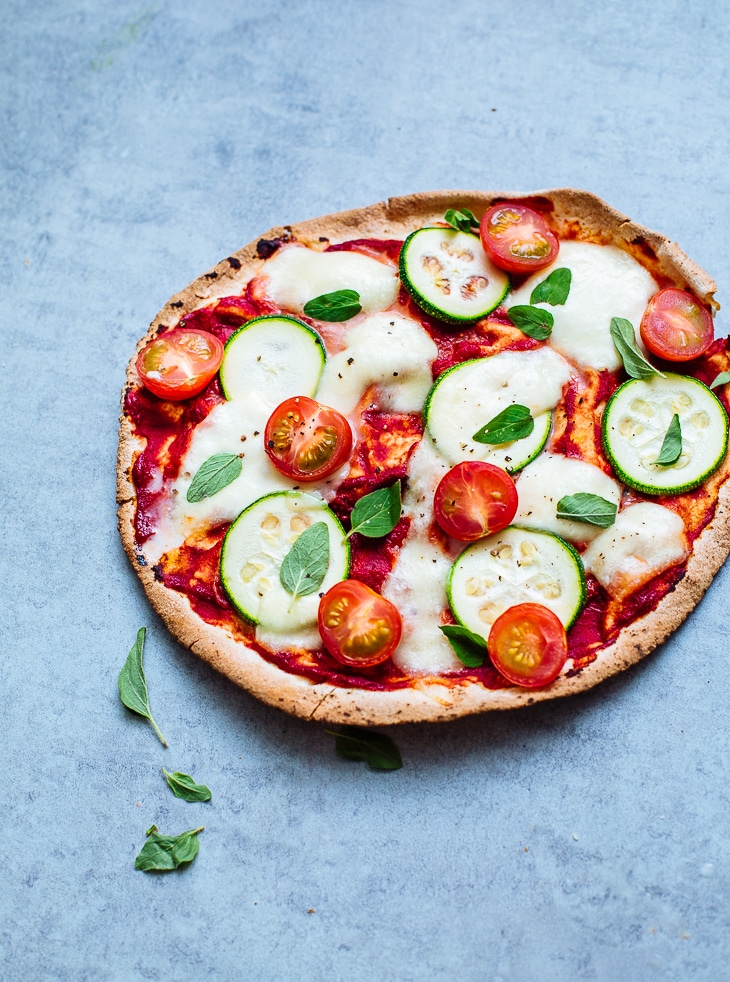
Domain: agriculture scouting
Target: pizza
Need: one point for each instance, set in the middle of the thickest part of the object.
(454, 452)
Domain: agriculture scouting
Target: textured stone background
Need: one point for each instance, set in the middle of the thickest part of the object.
(139, 145)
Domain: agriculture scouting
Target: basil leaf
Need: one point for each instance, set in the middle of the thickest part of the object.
(672, 445)
(589, 508)
(513, 423)
(338, 306)
(133, 684)
(376, 749)
(214, 474)
(470, 648)
(376, 514)
(722, 379)
(305, 565)
(553, 290)
(183, 786)
(532, 321)
(167, 852)
(624, 337)
(461, 219)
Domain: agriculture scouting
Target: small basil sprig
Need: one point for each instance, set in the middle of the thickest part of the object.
(183, 786)
(470, 648)
(533, 321)
(305, 565)
(624, 337)
(461, 219)
(376, 514)
(338, 306)
(375, 749)
(214, 474)
(722, 379)
(133, 684)
(553, 290)
(162, 853)
(589, 508)
(672, 444)
(513, 423)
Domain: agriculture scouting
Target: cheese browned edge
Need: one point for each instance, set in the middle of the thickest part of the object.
(574, 213)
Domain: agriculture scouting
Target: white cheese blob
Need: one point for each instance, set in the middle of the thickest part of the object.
(545, 481)
(645, 540)
(606, 282)
(297, 274)
(394, 353)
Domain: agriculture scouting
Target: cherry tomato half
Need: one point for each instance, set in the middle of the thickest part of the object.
(475, 499)
(306, 440)
(358, 627)
(676, 326)
(528, 645)
(180, 363)
(518, 239)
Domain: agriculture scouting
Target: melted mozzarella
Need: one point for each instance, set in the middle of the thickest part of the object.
(551, 477)
(297, 274)
(606, 282)
(645, 539)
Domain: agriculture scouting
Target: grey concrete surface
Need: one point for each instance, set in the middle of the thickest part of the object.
(140, 143)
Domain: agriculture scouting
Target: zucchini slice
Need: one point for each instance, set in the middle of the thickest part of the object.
(450, 276)
(635, 424)
(255, 547)
(273, 357)
(516, 566)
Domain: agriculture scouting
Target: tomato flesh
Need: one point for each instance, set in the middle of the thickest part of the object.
(528, 645)
(676, 326)
(475, 499)
(180, 363)
(306, 440)
(358, 627)
(517, 239)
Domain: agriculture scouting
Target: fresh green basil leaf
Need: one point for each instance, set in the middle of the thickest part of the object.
(461, 219)
(214, 474)
(532, 321)
(305, 565)
(513, 423)
(133, 684)
(589, 508)
(161, 853)
(624, 337)
(338, 306)
(722, 379)
(672, 445)
(470, 648)
(376, 514)
(376, 749)
(553, 290)
(183, 786)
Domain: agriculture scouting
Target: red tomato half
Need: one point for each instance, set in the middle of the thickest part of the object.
(180, 363)
(518, 239)
(306, 440)
(475, 499)
(528, 645)
(676, 326)
(358, 627)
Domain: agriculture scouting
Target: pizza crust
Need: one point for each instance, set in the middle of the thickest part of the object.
(573, 213)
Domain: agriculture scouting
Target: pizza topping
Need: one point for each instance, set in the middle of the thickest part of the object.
(214, 474)
(307, 441)
(376, 514)
(672, 444)
(528, 645)
(517, 238)
(450, 276)
(675, 326)
(470, 648)
(358, 627)
(179, 363)
(305, 565)
(554, 289)
(474, 499)
(586, 507)
(533, 321)
(338, 306)
(513, 423)
(624, 337)
(462, 219)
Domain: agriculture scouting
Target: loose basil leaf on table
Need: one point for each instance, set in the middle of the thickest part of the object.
(553, 290)
(338, 306)
(722, 379)
(214, 474)
(533, 321)
(672, 444)
(470, 648)
(624, 337)
(183, 786)
(133, 684)
(305, 565)
(375, 749)
(162, 853)
(376, 514)
(589, 508)
(513, 423)
(462, 219)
